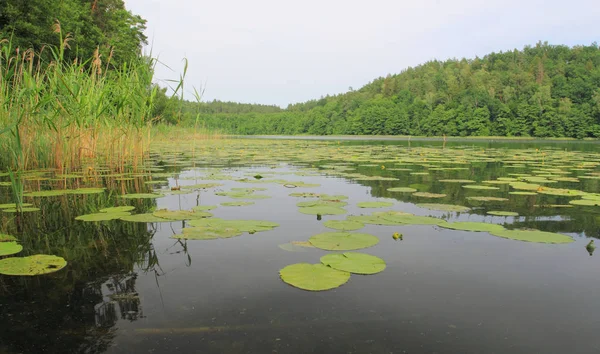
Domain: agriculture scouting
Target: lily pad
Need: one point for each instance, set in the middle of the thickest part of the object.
(181, 214)
(147, 218)
(208, 233)
(8, 248)
(479, 187)
(204, 207)
(473, 226)
(402, 189)
(49, 193)
(102, 216)
(522, 193)
(33, 265)
(141, 196)
(585, 202)
(502, 213)
(87, 191)
(533, 236)
(117, 209)
(14, 206)
(457, 181)
(313, 277)
(343, 241)
(353, 262)
(242, 225)
(23, 210)
(344, 225)
(7, 238)
(487, 199)
(374, 204)
(428, 195)
(444, 207)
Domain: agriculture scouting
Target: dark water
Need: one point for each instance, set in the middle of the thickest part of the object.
(443, 291)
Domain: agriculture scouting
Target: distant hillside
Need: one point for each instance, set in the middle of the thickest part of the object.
(542, 91)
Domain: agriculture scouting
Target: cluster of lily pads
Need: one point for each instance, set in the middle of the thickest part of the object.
(37, 264)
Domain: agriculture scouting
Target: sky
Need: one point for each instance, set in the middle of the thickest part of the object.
(280, 51)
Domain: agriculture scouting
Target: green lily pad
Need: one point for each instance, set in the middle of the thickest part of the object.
(457, 181)
(428, 195)
(204, 207)
(343, 241)
(343, 225)
(402, 189)
(502, 213)
(374, 204)
(444, 207)
(412, 219)
(8, 248)
(242, 225)
(102, 216)
(33, 265)
(585, 202)
(353, 262)
(322, 210)
(316, 203)
(373, 220)
(487, 199)
(147, 218)
(305, 195)
(522, 193)
(473, 226)
(50, 193)
(533, 236)
(181, 214)
(23, 210)
(117, 209)
(141, 196)
(479, 187)
(87, 191)
(313, 277)
(236, 203)
(14, 206)
(208, 233)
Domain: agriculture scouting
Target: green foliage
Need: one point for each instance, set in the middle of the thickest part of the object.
(540, 91)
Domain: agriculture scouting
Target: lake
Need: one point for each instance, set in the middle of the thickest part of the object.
(202, 282)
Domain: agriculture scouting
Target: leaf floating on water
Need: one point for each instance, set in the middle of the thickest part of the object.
(7, 238)
(14, 206)
(428, 195)
(204, 207)
(242, 225)
(181, 214)
(444, 207)
(402, 189)
(533, 236)
(479, 187)
(102, 216)
(585, 202)
(374, 204)
(8, 248)
(33, 265)
(502, 213)
(208, 233)
(473, 226)
(344, 225)
(456, 181)
(343, 241)
(487, 199)
(117, 209)
(353, 262)
(147, 218)
(141, 196)
(24, 210)
(305, 195)
(313, 277)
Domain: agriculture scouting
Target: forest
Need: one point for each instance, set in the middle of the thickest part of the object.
(540, 91)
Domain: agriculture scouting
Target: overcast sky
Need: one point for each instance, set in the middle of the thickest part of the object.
(281, 51)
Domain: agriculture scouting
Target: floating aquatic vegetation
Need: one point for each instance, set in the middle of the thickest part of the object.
(146, 218)
(344, 225)
(305, 195)
(181, 214)
(456, 181)
(522, 193)
(250, 226)
(374, 204)
(487, 199)
(561, 192)
(354, 262)
(208, 233)
(428, 195)
(444, 207)
(533, 236)
(14, 206)
(479, 187)
(242, 195)
(87, 191)
(32, 265)
(21, 210)
(473, 226)
(141, 196)
(402, 189)
(48, 193)
(404, 219)
(525, 186)
(502, 213)
(117, 209)
(204, 207)
(316, 203)
(313, 277)
(9, 247)
(585, 202)
(102, 216)
(343, 241)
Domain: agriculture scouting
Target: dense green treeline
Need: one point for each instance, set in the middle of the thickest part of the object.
(89, 25)
(541, 91)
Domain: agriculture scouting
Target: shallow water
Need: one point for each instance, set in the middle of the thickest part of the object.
(443, 291)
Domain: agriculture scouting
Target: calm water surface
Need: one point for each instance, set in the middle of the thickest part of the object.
(131, 288)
